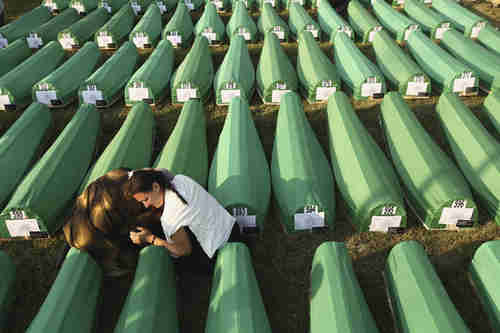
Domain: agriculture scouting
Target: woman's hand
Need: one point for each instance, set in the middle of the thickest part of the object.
(141, 235)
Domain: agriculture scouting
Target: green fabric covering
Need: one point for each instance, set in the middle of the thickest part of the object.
(337, 301)
(23, 25)
(462, 18)
(111, 77)
(270, 21)
(249, 4)
(179, 29)
(476, 151)
(19, 145)
(235, 300)
(274, 3)
(419, 301)
(49, 187)
(140, 6)
(7, 288)
(483, 61)
(153, 76)
(73, 297)
(236, 74)
(317, 75)
(433, 182)
(84, 6)
(302, 178)
(151, 302)
(275, 74)
(484, 272)
(397, 23)
(331, 22)
(241, 23)
(185, 151)
(61, 86)
(48, 31)
(239, 175)
(210, 25)
(356, 70)
(430, 21)
(112, 6)
(193, 78)
(147, 31)
(131, 146)
(117, 29)
(13, 55)
(490, 38)
(17, 83)
(220, 5)
(363, 23)
(287, 3)
(56, 6)
(83, 30)
(449, 73)
(491, 105)
(299, 20)
(399, 68)
(366, 178)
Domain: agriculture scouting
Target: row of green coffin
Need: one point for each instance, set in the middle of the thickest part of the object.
(418, 300)
(239, 177)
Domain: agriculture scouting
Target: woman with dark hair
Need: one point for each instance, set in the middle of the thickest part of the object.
(194, 224)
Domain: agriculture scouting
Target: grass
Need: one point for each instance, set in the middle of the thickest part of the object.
(281, 261)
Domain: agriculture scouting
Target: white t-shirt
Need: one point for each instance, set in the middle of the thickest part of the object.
(206, 218)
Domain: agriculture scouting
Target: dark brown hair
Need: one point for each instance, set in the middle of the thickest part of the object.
(142, 181)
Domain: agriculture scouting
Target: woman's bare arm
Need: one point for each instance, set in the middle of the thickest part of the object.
(180, 245)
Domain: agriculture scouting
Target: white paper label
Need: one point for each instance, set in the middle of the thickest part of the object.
(243, 32)
(440, 31)
(21, 228)
(428, 2)
(4, 100)
(311, 28)
(138, 94)
(184, 95)
(311, 218)
(189, 5)
(300, 2)
(228, 94)
(211, 36)
(67, 42)
(383, 223)
(243, 219)
(135, 7)
(79, 7)
(371, 87)
(218, 4)
(175, 39)
(373, 32)
(106, 6)
(400, 2)
(45, 97)
(411, 29)
(464, 82)
(140, 39)
(476, 29)
(345, 29)
(452, 215)
(3, 42)
(269, 2)
(276, 96)
(50, 4)
(34, 41)
(417, 86)
(322, 93)
(92, 95)
(163, 8)
(104, 40)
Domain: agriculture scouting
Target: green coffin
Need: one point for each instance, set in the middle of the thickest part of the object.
(220, 5)
(186, 151)
(418, 299)
(299, 20)
(435, 187)
(249, 4)
(61, 86)
(462, 18)
(337, 301)
(287, 3)
(331, 22)
(179, 30)
(71, 305)
(274, 3)
(356, 70)
(241, 23)
(192, 4)
(48, 189)
(239, 175)
(236, 74)
(490, 38)
(117, 29)
(151, 302)
(275, 74)
(140, 6)
(491, 105)
(399, 68)
(302, 178)
(131, 146)
(106, 84)
(430, 21)
(48, 32)
(16, 85)
(150, 82)
(83, 30)
(269, 21)
(484, 271)
(448, 72)
(235, 301)
(84, 6)
(476, 151)
(19, 145)
(147, 31)
(397, 23)
(363, 23)
(112, 6)
(484, 62)
(7, 289)
(13, 55)
(366, 179)
(317, 75)
(23, 25)
(56, 6)
(210, 25)
(193, 78)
